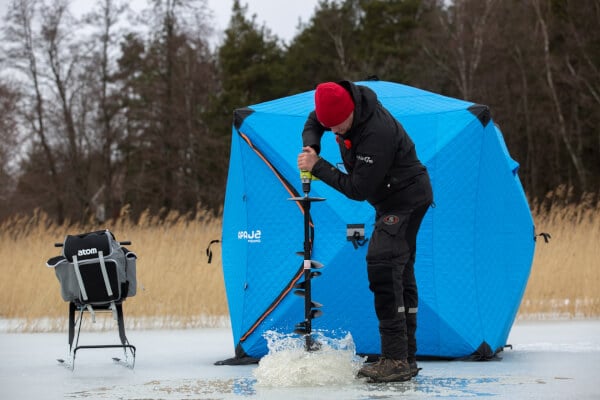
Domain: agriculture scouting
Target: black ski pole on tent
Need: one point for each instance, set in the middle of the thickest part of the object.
(311, 308)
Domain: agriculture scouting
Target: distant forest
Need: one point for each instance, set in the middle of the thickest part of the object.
(97, 117)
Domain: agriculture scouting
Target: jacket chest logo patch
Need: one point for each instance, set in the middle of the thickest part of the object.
(391, 219)
(365, 159)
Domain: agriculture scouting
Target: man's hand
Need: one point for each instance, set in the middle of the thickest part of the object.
(307, 159)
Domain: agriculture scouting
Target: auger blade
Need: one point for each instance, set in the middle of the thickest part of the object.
(316, 264)
(315, 313)
(314, 304)
(300, 292)
(306, 199)
(314, 274)
(300, 285)
(300, 328)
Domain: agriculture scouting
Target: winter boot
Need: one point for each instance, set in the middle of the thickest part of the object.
(411, 341)
(414, 369)
(387, 370)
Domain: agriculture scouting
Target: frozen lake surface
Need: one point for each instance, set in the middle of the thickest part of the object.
(548, 359)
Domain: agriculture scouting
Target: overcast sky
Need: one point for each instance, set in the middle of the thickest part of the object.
(280, 16)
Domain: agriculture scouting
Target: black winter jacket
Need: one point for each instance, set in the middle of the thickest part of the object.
(381, 161)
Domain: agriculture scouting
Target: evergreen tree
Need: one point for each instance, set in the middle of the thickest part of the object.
(325, 49)
(172, 157)
(387, 40)
(250, 65)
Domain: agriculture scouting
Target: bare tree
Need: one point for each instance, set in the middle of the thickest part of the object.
(65, 62)
(338, 22)
(458, 50)
(25, 59)
(8, 143)
(519, 59)
(107, 123)
(562, 130)
(582, 66)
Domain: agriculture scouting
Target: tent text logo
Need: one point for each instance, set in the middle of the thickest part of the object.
(250, 236)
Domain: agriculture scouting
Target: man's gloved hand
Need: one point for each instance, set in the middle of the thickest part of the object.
(307, 159)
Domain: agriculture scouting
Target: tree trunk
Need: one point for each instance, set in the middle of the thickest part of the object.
(562, 128)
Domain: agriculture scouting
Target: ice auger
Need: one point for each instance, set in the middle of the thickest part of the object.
(311, 308)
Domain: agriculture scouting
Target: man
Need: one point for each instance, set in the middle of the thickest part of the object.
(382, 168)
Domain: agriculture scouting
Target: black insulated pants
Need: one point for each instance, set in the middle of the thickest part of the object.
(390, 267)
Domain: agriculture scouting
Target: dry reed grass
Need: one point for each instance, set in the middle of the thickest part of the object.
(565, 276)
(176, 285)
(178, 288)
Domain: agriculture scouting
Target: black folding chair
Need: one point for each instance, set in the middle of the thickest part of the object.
(96, 274)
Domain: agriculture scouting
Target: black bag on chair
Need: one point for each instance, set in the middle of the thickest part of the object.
(94, 269)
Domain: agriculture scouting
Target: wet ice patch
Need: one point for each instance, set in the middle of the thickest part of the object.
(288, 364)
(171, 389)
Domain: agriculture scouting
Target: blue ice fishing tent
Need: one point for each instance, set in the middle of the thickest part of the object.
(475, 247)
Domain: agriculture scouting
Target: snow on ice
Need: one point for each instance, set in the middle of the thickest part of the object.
(548, 359)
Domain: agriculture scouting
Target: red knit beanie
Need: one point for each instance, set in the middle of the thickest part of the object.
(333, 104)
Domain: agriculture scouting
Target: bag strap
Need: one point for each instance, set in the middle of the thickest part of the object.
(79, 279)
(105, 274)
